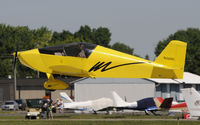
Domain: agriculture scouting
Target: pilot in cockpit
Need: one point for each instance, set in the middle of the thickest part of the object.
(82, 50)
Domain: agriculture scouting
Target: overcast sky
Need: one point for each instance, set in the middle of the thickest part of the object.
(137, 23)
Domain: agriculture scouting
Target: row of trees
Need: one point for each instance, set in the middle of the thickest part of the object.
(42, 37)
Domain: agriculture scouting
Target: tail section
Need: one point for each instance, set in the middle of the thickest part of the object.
(118, 101)
(64, 96)
(173, 56)
(166, 104)
(192, 99)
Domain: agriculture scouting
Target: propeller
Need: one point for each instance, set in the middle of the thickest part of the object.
(15, 57)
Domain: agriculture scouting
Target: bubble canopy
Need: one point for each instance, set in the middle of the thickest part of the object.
(76, 49)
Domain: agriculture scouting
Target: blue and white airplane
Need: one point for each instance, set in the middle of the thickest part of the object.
(151, 104)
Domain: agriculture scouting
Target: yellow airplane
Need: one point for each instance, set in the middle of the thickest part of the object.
(89, 60)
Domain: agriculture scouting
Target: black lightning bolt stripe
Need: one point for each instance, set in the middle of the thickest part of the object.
(104, 65)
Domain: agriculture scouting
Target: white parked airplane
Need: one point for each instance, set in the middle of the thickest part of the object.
(192, 99)
(101, 104)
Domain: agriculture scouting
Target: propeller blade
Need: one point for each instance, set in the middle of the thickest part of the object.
(15, 57)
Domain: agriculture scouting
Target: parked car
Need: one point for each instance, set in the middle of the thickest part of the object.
(10, 105)
(21, 104)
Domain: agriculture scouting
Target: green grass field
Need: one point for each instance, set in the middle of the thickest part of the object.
(96, 122)
(14, 115)
(12, 118)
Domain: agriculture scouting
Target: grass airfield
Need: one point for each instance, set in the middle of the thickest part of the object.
(68, 122)
(18, 118)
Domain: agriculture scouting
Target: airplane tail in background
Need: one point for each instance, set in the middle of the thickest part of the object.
(173, 56)
(192, 99)
(118, 101)
(64, 96)
(166, 104)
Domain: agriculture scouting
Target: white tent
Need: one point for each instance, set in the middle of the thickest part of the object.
(171, 87)
(188, 78)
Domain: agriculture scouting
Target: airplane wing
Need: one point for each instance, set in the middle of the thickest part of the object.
(85, 105)
(154, 108)
(102, 103)
(110, 108)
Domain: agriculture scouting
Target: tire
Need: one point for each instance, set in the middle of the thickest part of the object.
(27, 117)
(33, 117)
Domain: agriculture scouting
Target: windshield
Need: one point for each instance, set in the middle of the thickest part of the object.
(19, 101)
(75, 49)
(34, 103)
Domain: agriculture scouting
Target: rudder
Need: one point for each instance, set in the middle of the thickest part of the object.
(118, 100)
(64, 96)
(173, 56)
(166, 104)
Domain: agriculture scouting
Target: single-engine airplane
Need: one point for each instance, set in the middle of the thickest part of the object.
(90, 60)
(149, 104)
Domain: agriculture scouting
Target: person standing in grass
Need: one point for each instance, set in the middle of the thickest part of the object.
(49, 110)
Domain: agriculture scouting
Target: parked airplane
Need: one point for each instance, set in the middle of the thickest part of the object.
(89, 60)
(151, 104)
(101, 104)
(192, 98)
(147, 104)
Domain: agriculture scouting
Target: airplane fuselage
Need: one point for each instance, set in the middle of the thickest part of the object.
(97, 61)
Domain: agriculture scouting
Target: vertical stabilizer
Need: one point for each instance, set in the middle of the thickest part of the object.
(118, 101)
(167, 103)
(173, 56)
(192, 99)
(64, 96)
